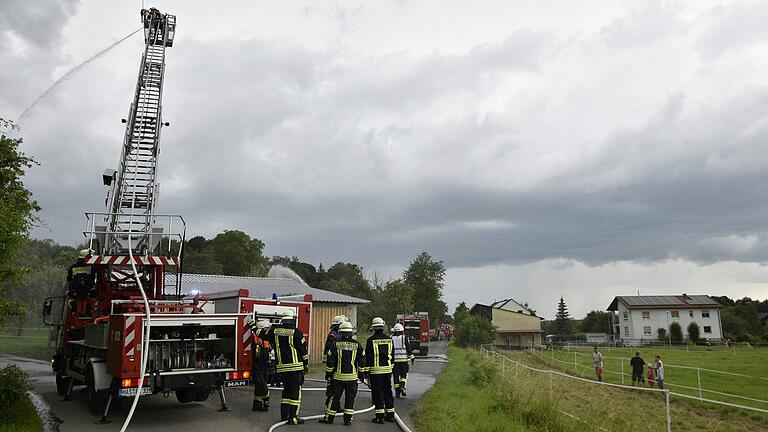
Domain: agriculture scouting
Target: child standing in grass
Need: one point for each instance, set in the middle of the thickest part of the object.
(659, 372)
(651, 376)
(597, 357)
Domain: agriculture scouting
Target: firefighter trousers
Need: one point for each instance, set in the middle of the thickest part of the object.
(291, 400)
(349, 390)
(400, 376)
(260, 387)
(381, 393)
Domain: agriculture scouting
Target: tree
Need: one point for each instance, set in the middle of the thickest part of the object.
(238, 254)
(460, 314)
(596, 322)
(393, 298)
(676, 332)
(354, 282)
(661, 334)
(17, 213)
(562, 319)
(426, 277)
(474, 331)
(693, 332)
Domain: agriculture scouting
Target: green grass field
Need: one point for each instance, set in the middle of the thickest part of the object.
(475, 393)
(715, 386)
(32, 344)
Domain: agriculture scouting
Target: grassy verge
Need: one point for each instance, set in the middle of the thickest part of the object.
(21, 417)
(474, 393)
(32, 344)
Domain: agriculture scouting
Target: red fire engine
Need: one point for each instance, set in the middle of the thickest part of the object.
(417, 330)
(124, 324)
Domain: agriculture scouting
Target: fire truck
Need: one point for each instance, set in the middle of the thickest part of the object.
(131, 327)
(416, 328)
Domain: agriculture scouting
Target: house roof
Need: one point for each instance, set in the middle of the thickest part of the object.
(261, 287)
(511, 305)
(664, 302)
(500, 306)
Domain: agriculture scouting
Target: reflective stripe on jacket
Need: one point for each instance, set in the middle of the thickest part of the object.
(378, 353)
(401, 348)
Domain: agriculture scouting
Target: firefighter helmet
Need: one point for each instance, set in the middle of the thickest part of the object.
(338, 319)
(84, 253)
(378, 323)
(346, 327)
(288, 316)
(263, 324)
(397, 328)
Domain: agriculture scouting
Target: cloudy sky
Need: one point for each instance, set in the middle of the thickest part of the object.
(583, 149)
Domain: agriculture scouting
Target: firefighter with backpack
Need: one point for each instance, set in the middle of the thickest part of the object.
(378, 359)
(330, 344)
(347, 364)
(261, 367)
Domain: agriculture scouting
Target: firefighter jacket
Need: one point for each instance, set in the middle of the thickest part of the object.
(401, 348)
(378, 353)
(346, 360)
(330, 341)
(81, 279)
(290, 348)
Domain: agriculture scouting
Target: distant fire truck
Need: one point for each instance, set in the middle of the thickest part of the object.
(417, 330)
(124, 307)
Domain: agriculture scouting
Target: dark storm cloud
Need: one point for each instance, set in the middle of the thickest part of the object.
(476, 156)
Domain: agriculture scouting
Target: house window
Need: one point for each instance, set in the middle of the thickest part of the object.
(675, 314)
(647, 331)
(707, 329)
(626, 316)
(690, 313)
(647, 315)
(705, 314)
(626, 331)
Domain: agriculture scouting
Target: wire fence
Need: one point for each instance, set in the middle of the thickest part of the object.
(512, 366)
(574, 362)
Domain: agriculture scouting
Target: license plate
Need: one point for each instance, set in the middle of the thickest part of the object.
(236, 383)
(131, 391)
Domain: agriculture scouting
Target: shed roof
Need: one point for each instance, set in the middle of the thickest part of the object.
(261, 287)
(664, 302)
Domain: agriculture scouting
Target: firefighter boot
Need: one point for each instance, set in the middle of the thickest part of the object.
(390, 417)
(266, 404)
(397, 392)
(295, 421)
(347, 420)
(258, 405)
(379, 419)
(327, 419)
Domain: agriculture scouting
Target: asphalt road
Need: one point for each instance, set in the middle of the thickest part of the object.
(155, 413)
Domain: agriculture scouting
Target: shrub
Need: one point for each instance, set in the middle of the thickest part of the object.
(14, 384)
(474, 331)
(661, 333)
(483, 373)
(693, 332)
(676, 332)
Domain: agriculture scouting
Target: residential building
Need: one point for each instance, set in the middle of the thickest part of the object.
(638, 318)
(516, 325)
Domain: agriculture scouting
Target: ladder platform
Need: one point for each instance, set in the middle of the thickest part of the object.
(126, 260)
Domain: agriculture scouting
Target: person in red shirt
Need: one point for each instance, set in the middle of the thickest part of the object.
(651, 376)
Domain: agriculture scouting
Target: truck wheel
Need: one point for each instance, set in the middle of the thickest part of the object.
(186, 394)
(202, 395)
(97, 400)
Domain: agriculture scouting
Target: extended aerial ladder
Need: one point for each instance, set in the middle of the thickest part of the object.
(124, 334)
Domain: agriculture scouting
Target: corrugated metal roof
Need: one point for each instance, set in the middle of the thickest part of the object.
(672, 301)
(260, 287)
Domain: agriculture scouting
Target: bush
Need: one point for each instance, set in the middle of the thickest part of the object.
(482, 373)
(693, 332)
(676, 332)
(474, 331)
(661, 333)
(14, 384)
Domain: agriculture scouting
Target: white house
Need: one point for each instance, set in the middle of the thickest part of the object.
(638, 318)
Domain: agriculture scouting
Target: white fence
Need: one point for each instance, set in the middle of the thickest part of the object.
(699, 389)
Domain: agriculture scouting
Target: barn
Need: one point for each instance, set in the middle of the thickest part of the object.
(325, 304)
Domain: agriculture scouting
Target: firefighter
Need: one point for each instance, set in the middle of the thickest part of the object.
(81, 285)
(378, 359)
(347, 361)
(261, 366)
(401, 348)
(330, 341)
(291, 354)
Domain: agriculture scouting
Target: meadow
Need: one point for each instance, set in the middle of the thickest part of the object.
(476, 392)
(738, 376)
(33, 343)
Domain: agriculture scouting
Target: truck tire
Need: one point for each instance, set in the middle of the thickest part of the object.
(186, 394)
(202, 395)
(97, 400)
